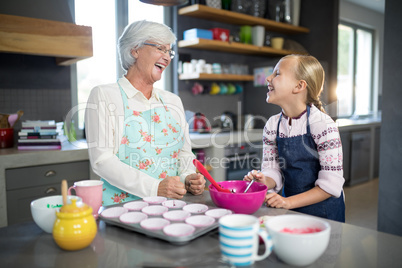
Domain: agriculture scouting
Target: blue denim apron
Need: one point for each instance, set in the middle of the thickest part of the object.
(300, 171)
(151, 143)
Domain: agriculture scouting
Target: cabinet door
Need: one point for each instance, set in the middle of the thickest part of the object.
(19, 201)
(345, 138)
(23, 185)
(360, 157)
(17, 178)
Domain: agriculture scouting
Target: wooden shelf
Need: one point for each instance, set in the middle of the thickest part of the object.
(67, 42)
(230, 17)
(207, 44)
(218, 77)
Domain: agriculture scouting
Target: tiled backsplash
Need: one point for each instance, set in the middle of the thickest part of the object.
(37, 104)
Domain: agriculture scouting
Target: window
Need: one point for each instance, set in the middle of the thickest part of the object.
(355, 70)
(104, 66)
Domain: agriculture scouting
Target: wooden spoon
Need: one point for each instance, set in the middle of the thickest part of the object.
(64, 191)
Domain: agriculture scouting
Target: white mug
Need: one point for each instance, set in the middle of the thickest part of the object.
(258, 35)
(238, 237)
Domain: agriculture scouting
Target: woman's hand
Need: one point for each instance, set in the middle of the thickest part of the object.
(277, 201)
(172, 187)
(195, 183)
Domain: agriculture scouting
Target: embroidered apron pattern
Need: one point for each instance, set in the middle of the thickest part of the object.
(151, 143)
(300, 172)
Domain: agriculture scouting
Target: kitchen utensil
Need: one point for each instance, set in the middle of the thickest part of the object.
(12, 118)
(249, 185)
(252, 181)
(91, 193)
(200, 229)
(75, 227)
(204, 172)
(64, 191)
(245, 34)
(277, 42)
(228, 121)
(4, 121)
(298, 239)
(258, 35)
(6, 137)
(43, 210)
(239, 202)
(238, 236)
(19, 113)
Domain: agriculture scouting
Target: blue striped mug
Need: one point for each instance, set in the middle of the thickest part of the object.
(239, 239)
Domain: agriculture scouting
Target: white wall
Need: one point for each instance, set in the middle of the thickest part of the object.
(373, 20)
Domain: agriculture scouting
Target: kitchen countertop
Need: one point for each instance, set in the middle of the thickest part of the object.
(26, 245)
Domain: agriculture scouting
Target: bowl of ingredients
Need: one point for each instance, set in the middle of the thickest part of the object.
(237, 200)
(44, 210)
(298, 240)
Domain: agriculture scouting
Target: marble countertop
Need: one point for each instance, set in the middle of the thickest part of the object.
(24, 245)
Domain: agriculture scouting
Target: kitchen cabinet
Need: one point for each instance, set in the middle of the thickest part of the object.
(67, 42)
(361, 146)
(25, 184)
(359, 156)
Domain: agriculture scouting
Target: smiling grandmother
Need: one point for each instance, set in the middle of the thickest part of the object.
(137, 134)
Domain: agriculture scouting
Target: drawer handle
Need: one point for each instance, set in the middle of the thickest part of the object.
(50, 190)
(50, 173)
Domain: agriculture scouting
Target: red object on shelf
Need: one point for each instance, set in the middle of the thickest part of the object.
(200, 123)
(220, 34)
(6, 137)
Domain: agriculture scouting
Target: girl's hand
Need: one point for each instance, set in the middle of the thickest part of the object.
(277, 201)
(254, 174)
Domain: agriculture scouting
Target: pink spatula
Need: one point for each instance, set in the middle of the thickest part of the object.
(205, 172)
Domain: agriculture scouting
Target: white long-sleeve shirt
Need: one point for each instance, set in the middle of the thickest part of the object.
(104, 118)
(325, 134)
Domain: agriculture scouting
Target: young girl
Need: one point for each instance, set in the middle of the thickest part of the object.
(302, 152)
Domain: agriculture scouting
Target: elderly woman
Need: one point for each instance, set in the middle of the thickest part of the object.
(137, 134)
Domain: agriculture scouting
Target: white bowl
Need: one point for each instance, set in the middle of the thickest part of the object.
(44, 209)
(298, 249)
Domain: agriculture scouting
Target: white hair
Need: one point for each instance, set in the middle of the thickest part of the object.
(139, 32)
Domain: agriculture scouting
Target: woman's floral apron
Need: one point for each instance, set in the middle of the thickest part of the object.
(151, 143)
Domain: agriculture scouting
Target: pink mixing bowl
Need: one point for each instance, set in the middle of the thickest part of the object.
(239, 202)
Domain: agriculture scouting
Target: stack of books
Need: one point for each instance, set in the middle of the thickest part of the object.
(41, 135)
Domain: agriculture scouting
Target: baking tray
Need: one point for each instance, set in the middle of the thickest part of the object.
(199, 231)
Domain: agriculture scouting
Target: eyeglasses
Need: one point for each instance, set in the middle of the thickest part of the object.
(162, 49)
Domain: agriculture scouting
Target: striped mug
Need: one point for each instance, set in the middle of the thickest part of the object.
(239, 239)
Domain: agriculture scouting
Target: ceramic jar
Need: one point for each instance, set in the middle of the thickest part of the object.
(75, 227)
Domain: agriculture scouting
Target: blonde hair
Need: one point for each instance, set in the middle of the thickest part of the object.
(309, 69)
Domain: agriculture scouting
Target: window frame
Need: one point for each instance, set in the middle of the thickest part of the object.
(355, 27)
(122, 18)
